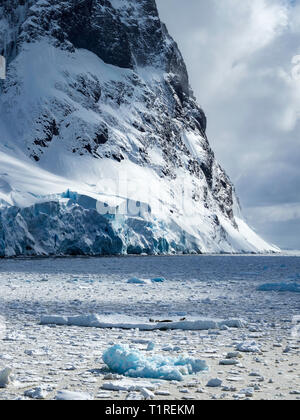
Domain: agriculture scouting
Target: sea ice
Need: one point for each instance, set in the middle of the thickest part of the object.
(134, 396)
(148, 395)
(248, 347)
(130, 385)
(38, 393)
(126, 323)
(248, 392)
(133, 363)
(72, 396)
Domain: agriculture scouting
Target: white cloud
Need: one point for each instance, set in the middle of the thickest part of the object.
(282, 213)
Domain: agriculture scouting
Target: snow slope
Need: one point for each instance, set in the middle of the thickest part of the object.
(102, 145)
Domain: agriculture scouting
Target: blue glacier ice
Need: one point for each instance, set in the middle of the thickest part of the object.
(158, 280)
(133, 363)
(279, 287)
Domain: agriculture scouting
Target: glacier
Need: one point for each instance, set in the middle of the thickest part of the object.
(103, 147)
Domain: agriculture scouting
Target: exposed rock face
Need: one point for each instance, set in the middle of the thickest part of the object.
(103, 80)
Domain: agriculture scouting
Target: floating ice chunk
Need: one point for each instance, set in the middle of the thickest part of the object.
(295, 392)
(171, 348)
(91, 320)
(234, 379)
(73, 396)
(280, 287)
(130, 385)
(228, 362)
(158, 280)
(104, 395)
(232, 323)
(139, 341)
(135, 280)
(248, 392)
(122, 360)
(163, 393)
(248, 347)
(96, 321)
(134, 396)
(38, 393)
(214, 383)
(148, 395)
(5, 377)
(234, 355)
(113, 376)
(151, 346)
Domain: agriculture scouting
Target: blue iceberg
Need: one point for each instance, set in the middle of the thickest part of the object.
(132, 363)
(280, 287)
(158, 280)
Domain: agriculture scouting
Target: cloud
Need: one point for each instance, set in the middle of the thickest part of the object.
(282, 213)
(243, 59)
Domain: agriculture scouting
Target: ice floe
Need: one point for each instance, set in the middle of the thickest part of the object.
(133, 363)
(35, 351)
(130, 385)
(248, 347)
(98, 321)
(65, 395)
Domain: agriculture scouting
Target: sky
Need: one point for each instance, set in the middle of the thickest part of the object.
(243, 58)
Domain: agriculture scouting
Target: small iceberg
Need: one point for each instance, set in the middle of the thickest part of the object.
(280, 287)
(248, 347)
(66, 395)
(158, 280)
(136, 280)
(132, 363)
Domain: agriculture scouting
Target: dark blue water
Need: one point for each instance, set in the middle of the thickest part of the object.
(201, 268)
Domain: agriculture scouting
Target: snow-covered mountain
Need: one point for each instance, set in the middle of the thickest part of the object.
(103, 147)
